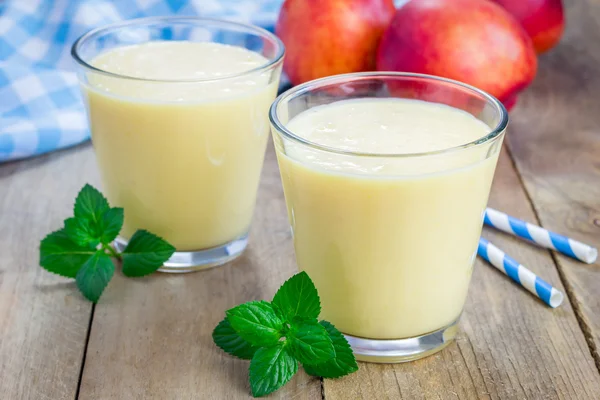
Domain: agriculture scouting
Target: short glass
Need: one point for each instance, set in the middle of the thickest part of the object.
(390, 253)
(186, 169)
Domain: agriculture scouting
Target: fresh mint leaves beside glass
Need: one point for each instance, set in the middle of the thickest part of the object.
(82, 249)
(276, 336)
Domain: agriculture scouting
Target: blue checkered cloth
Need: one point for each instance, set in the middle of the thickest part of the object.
(40, 104)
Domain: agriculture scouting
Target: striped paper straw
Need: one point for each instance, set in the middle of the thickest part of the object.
(540, 236)
(519, 273)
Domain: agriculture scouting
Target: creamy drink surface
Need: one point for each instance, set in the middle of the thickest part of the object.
(182, 158)
(389, 241)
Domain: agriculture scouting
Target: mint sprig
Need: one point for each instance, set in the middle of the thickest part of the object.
(277, 336)
(83, 249)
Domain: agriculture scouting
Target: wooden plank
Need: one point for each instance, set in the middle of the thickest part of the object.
(511, 345)
(151, 337)
(555, 141)
(43, 319)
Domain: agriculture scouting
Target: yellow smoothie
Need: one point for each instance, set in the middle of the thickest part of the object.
(389, 241)
(182, 158)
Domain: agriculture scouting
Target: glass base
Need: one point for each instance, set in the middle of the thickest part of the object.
(402, 350)
(191, 261)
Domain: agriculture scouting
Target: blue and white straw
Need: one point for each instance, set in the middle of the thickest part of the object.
(519, 273)
(540, 236)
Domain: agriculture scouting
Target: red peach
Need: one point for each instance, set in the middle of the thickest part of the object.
(543, 20)
(472, 41)
(328, 37)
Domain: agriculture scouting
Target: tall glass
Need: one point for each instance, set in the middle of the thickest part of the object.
(182, 156)
(391, 253)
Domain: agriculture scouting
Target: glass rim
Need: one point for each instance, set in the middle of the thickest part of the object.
(357, 76)
(173, 19)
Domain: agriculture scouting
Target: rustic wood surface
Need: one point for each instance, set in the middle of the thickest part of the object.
(150, 338)
(43, 320)
(558, 153)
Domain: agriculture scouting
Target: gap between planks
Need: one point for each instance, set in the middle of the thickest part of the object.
(85, 348)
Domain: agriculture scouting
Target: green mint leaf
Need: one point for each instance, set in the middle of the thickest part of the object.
(145, 253)
(94, 220)
(270, 369)
(298, 297)
(231, 342)
(90, 204)
(80, 232)
(60, 255)
(111, 224)
(342, 364)
(309, 342)
(87, 232)
(95, 274)
(257, 322)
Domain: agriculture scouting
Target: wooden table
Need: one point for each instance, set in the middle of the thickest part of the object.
(150, 338)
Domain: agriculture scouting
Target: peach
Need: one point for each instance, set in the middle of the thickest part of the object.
(473, 41)
(328, 37)
(543, 20)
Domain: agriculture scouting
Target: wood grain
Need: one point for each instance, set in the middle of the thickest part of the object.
(151, 337)
(511, 345)
(558, 152)
(43, 319)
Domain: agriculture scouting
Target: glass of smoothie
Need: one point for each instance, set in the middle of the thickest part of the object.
(386, 177)
(178, 110)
